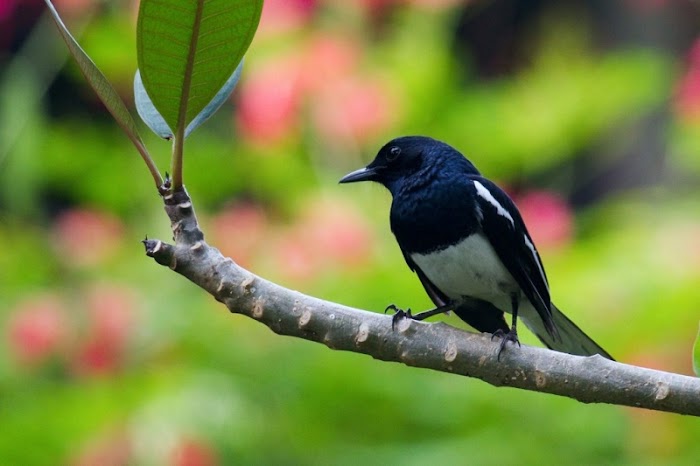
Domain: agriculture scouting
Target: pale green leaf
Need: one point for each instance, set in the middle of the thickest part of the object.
(148, 113)
(188, 49)
(103, 88)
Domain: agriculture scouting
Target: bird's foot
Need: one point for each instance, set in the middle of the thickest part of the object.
(398, 314)
(511, 336)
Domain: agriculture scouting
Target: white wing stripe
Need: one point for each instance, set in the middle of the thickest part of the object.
(485, 194)
(534, 257)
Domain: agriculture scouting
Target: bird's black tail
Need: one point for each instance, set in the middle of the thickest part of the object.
(572, 339)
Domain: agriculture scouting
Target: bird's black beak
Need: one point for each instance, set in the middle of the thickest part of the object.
(363, 174)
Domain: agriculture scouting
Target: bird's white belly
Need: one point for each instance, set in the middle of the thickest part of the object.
(470, 268)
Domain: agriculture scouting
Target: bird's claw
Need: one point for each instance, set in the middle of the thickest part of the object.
(511, 336)
(398, 314)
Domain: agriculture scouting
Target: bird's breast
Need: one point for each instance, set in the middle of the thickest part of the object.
(428, 219)
(469, 268)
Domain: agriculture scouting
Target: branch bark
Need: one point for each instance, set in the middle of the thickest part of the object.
(434, 346)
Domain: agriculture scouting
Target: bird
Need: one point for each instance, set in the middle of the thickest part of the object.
(466, 241)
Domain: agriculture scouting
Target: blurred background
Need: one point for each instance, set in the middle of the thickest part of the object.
(587, 112)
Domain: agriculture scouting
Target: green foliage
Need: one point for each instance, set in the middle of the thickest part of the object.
(188, 49)
(567, 125)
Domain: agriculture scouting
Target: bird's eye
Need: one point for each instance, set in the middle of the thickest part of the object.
(393, 153)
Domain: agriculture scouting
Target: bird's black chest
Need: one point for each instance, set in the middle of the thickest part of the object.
(433, 218)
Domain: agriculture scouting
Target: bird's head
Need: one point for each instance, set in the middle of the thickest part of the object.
(410, 156)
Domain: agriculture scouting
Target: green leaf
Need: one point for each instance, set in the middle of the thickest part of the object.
(107, 94)
(696, 355)
(188, 49)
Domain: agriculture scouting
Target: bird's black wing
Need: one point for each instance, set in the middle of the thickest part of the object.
(504, 227)
(481, 315)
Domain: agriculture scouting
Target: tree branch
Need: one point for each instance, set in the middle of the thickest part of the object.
(434, 346)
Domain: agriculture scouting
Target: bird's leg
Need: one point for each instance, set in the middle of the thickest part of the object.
(400, 313)
(433, 312)
(512, 335)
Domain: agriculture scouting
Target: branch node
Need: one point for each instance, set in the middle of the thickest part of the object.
(197, 247)
(184, 209)
(403, 325)
(540, 379)
(362, 333)
(176, 196)
(224, 291)
(247, 285)
(451, 352)
(152, 246)
(176, 226)
(164, 188)
(258, 308)
(662, 391)
(305, 318)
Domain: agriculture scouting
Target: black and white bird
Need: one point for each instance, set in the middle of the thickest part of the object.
(465, 239)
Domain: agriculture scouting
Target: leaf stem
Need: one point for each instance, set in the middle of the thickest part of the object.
(152, 168)
(177, 160)
(106, 93)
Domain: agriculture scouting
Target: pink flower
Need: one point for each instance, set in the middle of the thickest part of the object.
(110, 312)
(329, 58)
(269, 101)
(279, 16)
(37, 329)
(191, 452)
(687, 99)
(293, 257)
(72, 7)
(113, 449)
(355, 109)
(329, 234)
(239, 232)
(86, 237)
(548, 218)
(96, 358)
(337, 232)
